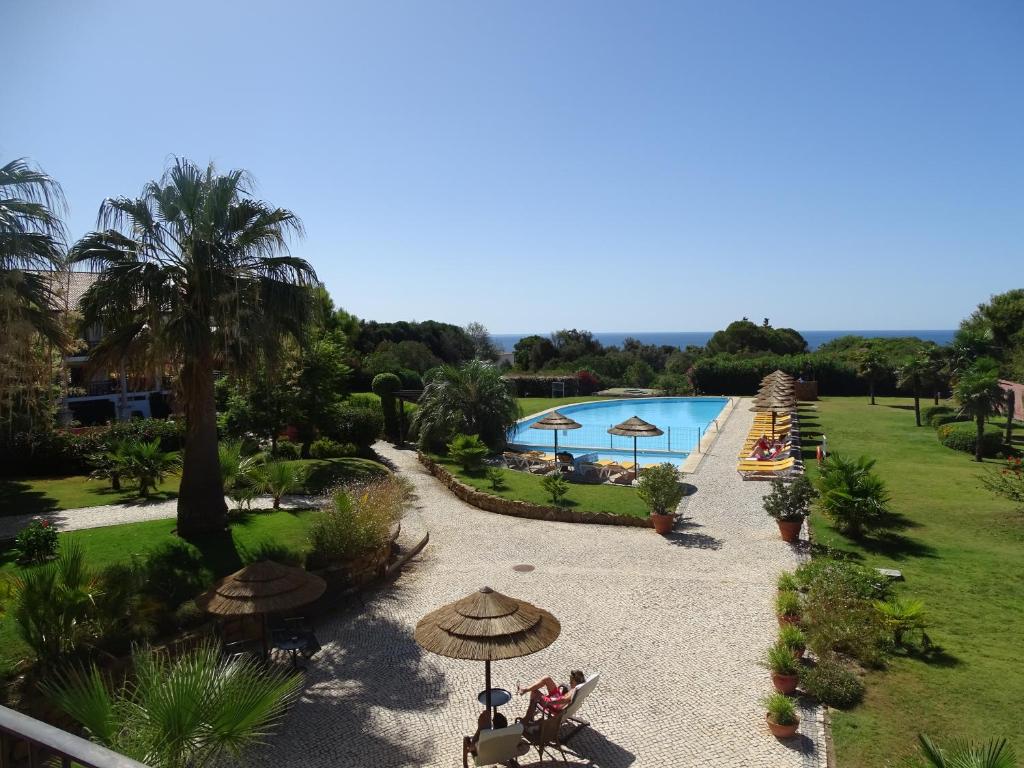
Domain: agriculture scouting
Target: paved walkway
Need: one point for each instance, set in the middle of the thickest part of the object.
(132, 512)
(674, 625)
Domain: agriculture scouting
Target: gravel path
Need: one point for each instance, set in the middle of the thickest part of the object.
(674, 625)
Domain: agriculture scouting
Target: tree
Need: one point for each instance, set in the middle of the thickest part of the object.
(909, 376)
(743, 336)
(385, 385)
(483, 346)
(320, 387)
(189, 711)
(980, 396)
(872, 367)
(531, 353)
(201, 270)
(935, 370)
(472, 399)
(965, 754)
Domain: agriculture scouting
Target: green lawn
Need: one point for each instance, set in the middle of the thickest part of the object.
(118, 543)
(532, 405)
(618, 500)
(961, 550)
(41, 495)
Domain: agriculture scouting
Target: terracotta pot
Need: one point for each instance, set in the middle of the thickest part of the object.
(782, 731)
(783, 620)
(790, 529)
(663, 523)
(785, 683)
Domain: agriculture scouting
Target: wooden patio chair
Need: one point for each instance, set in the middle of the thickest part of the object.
(556, 730)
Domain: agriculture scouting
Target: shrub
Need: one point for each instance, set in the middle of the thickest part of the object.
(189, 615)
(146, 463)
(788, 604)
(384, 386)
(556, 486)
(357, 425)
(779, 659)
(852, 578)
(659, 488)
(496, 478)
(839, 615)
(780, 709)
(281, 478)
(901, 617)
(36, 542)
(792, 637)
(287, 450)
(941, 419)
(790, 502)
(325, 448)
(787, 582)
(174, 572)
(832, 683)
(468, 450)
(472, 399)
(936, 410)
(673, 384)
(963, 436)
(271, 550)
(1007, 482)
(853, 496)
(358, 521)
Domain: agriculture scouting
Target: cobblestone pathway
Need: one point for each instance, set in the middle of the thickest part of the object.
(675, 627)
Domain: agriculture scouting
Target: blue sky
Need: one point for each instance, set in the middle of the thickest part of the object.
(537, 165)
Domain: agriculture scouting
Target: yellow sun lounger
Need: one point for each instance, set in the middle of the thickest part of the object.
(766, 466)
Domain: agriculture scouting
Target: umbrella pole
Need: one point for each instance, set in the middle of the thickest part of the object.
(773, 425)
(487, 687)
(556, 447)
(636, 467)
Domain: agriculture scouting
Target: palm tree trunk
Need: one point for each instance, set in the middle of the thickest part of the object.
(1011, 404)
(871, 386)
(201, 507)
(917, 407)
(981, 434)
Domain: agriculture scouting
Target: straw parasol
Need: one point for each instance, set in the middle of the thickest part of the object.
(555, 421)
(487, 626)
(775, 403)
(635, 427)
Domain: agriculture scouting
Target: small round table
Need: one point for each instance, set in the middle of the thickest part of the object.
(498, 697)
(292, 644)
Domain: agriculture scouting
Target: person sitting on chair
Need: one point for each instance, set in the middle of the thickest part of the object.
(483, 723)
(549, 697)
(760, 448)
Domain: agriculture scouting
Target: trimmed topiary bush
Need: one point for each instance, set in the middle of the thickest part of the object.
(325, 448)
(359, 426)
(384, 386)
(936, 410)
(833, 684)
(963, 435)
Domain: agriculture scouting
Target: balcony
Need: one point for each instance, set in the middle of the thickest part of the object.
(30, 742)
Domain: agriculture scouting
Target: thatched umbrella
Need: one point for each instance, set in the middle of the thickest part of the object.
(635, 427)
(487, 626)
(262, 588)
(555, 421)
(775, 403)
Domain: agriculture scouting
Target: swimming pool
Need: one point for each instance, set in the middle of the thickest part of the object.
(684, 421)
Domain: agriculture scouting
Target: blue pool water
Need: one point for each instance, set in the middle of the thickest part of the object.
(683, 419)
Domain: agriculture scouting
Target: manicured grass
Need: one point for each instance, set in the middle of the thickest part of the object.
(532, 405)
(119, 543)
(42, 495)
(961, 550)
(618, 500)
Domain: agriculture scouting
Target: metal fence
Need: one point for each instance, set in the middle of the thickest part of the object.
(593, 437)
(30, 742)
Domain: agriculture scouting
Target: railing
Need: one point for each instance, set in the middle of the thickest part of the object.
(30, 742)
(592, 437)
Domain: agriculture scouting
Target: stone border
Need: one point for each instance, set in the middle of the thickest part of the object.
(516, 508)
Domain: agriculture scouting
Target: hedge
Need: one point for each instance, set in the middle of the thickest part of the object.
(963, 435)
(935, 410)
(941, 419)
(731, 375)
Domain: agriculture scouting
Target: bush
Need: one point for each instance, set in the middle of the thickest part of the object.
(358, 521)
(146, 463)
(271, 550)
(496, 478)
(790, 502)
(1007, 482)
(287, 450)
(189, 615)
(832, 683)
(174, 572)
(357, 425)
(936, 410)
(659, 488)
(673, 384)
(36, 542)
(556, 486)
(853, 496)
(859, 580)
(787, 582)
(963, 436)
(941, 419)
(468, 450)
(325, 448)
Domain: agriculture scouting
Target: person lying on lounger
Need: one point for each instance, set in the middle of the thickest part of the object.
(548, 697)
(760, 448)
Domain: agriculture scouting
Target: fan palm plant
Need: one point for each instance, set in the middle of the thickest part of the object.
(187, 712)
(849, 493)
(196, 271)
(281, 478)
(965, 754)
(147, 463)
(471, 399)
(873, 368)
(980, 396)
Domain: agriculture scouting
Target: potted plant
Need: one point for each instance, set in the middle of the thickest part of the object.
(793, 638)
(784, 667)
(781, 716)
(787, 607)
(789, 503)
(660, 490)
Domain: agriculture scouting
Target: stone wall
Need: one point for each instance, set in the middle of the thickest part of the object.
(490, 503)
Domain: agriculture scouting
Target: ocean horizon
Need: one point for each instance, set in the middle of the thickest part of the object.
(507, 341)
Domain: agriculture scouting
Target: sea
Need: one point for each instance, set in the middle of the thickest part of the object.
(506, 341)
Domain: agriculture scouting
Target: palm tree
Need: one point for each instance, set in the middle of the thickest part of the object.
(281, 478)
(935, 370)
(910, 376)
(872, 367)
(980, 395)
(32, 237)
(187, 712)
(199, 271)
(472, 399)
(965, 754)
(852, 495)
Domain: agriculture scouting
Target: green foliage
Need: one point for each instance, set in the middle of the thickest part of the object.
(531, 353)
(832, 683)
(660, 489)
(853, 496)
(792, 638)
(471, 399)
(779, 659)
(282, 478)
(941, 419)
(385, 385)
(359, 426)
(189, 711)
(790, 502)
(996, 753)
(448, 342)
(903, 616)
(469, 451)
(1007, 482)
(36, 542)
(872, 366)
(556, 487)
(174, 572)
(241, 475)
(848, 577)
(272, 550)
(743, 336)
(980, 396)
(780, 709)
(788, 604)
(325, 448)
(963, 436)
(787, 582)
(358, 521)
(496, 478)
(673, 384)
(320, 385)
(287, 450)
(638, 374)
(935, 410)
(146, 463)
